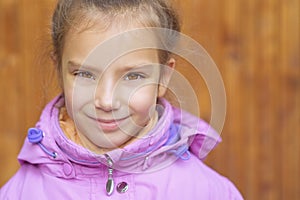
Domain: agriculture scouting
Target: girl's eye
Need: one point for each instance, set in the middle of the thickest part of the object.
(84, 74)
(133, 76)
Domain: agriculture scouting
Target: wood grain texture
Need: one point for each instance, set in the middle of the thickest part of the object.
(254, 43)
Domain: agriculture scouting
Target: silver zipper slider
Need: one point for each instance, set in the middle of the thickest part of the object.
(110, 181)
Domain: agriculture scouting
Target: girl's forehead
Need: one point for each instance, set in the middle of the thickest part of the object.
(97, 49)
(110, 43)
(138, 58)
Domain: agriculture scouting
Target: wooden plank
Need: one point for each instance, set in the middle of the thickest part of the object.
(248, 96)
(267, 99)
(289, 117)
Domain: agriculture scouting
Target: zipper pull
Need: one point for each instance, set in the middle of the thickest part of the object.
(110, 184)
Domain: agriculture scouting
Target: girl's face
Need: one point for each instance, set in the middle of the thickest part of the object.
(109, 104)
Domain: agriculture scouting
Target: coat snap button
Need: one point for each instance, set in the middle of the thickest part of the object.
(67, 169)
(122, 187)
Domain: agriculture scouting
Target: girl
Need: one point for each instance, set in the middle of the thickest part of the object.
(111, 134)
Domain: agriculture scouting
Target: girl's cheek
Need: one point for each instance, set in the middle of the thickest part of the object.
(76, 96)
(143, 99)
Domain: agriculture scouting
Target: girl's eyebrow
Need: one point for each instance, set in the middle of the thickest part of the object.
(137, 66)
(76, 65)
(73, 65)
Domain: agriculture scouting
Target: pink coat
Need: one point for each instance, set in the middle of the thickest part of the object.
(165, 164)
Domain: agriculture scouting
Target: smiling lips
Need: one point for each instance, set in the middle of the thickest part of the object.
(109, 125)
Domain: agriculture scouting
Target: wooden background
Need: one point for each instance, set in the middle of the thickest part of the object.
(254, 43)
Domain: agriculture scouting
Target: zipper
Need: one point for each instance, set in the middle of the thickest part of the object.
(110, 184)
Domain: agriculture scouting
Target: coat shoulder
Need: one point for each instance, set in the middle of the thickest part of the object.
(189, 179)
(204, 181)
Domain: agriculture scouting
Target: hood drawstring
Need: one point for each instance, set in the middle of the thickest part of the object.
(35, 136)
(182, 151)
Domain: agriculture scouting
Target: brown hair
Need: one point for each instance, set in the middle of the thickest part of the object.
(70, 13)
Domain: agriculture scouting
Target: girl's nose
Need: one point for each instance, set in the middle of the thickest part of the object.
(106, 97)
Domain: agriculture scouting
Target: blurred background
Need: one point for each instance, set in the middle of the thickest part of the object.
(254, 43)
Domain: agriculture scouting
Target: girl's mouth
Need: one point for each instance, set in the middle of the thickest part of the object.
(109, 125)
